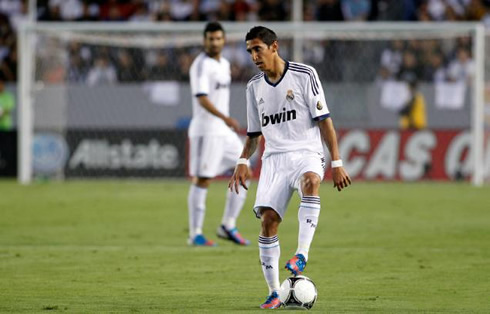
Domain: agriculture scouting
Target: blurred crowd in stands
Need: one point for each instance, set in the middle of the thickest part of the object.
(429, 60)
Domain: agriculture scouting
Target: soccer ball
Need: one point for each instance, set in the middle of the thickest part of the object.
(298, 293)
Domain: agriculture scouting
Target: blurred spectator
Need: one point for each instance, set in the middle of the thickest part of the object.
(410, 69)
(127, 70)
(141, 13)
(391, 58)
(309, 12)
(243, 10)
(77, 70)
(160, 11)
(8, 67)
(182, 10)
(436, 9)
(475, 10)
(70, 10)
(162, 70)
(19, 16)
(7, 105)
(410, 10)
(329, 10)
(51, 14)
(356, 10)
(422, 13)
(103, 72)
(210, 7)
(11, 7)
(272, 10)
(114, 10)
(486, 18)
(90, 12)
(461, 68)
(413, 115)
(184, 64)
(435, 71)
(459, 7)
(7, 36)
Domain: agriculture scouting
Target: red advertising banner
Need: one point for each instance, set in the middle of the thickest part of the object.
(406, 155)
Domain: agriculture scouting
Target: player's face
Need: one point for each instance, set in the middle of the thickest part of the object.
(261, 54)
(214, 42)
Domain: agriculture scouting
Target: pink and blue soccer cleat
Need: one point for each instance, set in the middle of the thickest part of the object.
(272, 302)
(232, 235)
(296, 265)
(200, 240)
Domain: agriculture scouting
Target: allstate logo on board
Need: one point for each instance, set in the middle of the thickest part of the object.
(50, 153)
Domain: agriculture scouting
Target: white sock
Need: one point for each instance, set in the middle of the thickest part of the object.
(309, 210)
(233, 206)
(196, 202)
(269, 251)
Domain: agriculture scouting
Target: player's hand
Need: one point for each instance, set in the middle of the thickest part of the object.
(340, 178)
(232, 123)
(239, 177)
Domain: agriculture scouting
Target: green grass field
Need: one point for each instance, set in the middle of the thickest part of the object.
(107, 246)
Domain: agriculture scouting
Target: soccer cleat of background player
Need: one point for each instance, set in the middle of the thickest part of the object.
(272, 302)
(286, 105)
(200, 240)
(213, 141)
(232, 235)
(296, 265)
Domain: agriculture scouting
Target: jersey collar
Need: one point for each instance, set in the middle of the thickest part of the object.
(282, 76)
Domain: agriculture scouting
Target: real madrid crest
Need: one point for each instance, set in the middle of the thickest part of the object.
(319, 105)
(290, 95)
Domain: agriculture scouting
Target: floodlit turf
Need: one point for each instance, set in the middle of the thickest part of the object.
(107, 246)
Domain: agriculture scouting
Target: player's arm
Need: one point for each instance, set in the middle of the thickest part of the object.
(242, 173)
(208, 105)
(339, 176)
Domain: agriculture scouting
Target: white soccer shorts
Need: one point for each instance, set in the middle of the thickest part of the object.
(211, 156)
(280, 177)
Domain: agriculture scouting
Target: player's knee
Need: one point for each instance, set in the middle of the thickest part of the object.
(202, 182)
(310, 183)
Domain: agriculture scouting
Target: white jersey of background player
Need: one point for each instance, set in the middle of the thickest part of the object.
(286, 105)
(214, 146)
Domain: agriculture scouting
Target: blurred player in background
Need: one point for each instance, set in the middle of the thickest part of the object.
(286, 105)
(214, 143)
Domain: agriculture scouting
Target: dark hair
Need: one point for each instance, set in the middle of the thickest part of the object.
(263, 33)
(213, 27)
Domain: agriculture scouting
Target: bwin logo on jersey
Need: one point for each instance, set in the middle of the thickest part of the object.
(277, 118)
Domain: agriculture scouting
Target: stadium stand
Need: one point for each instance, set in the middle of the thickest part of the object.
(425, 58)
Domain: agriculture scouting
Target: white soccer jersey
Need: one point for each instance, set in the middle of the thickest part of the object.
(212, 78)
(286, 112)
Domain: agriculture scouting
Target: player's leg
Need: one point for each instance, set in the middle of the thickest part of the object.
(234, 202)
(196, 201)
(311, 170)
(273, 194)
(269, 252)
(203, 167)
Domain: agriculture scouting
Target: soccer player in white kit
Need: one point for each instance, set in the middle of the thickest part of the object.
(286, 105)
(214, 143)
